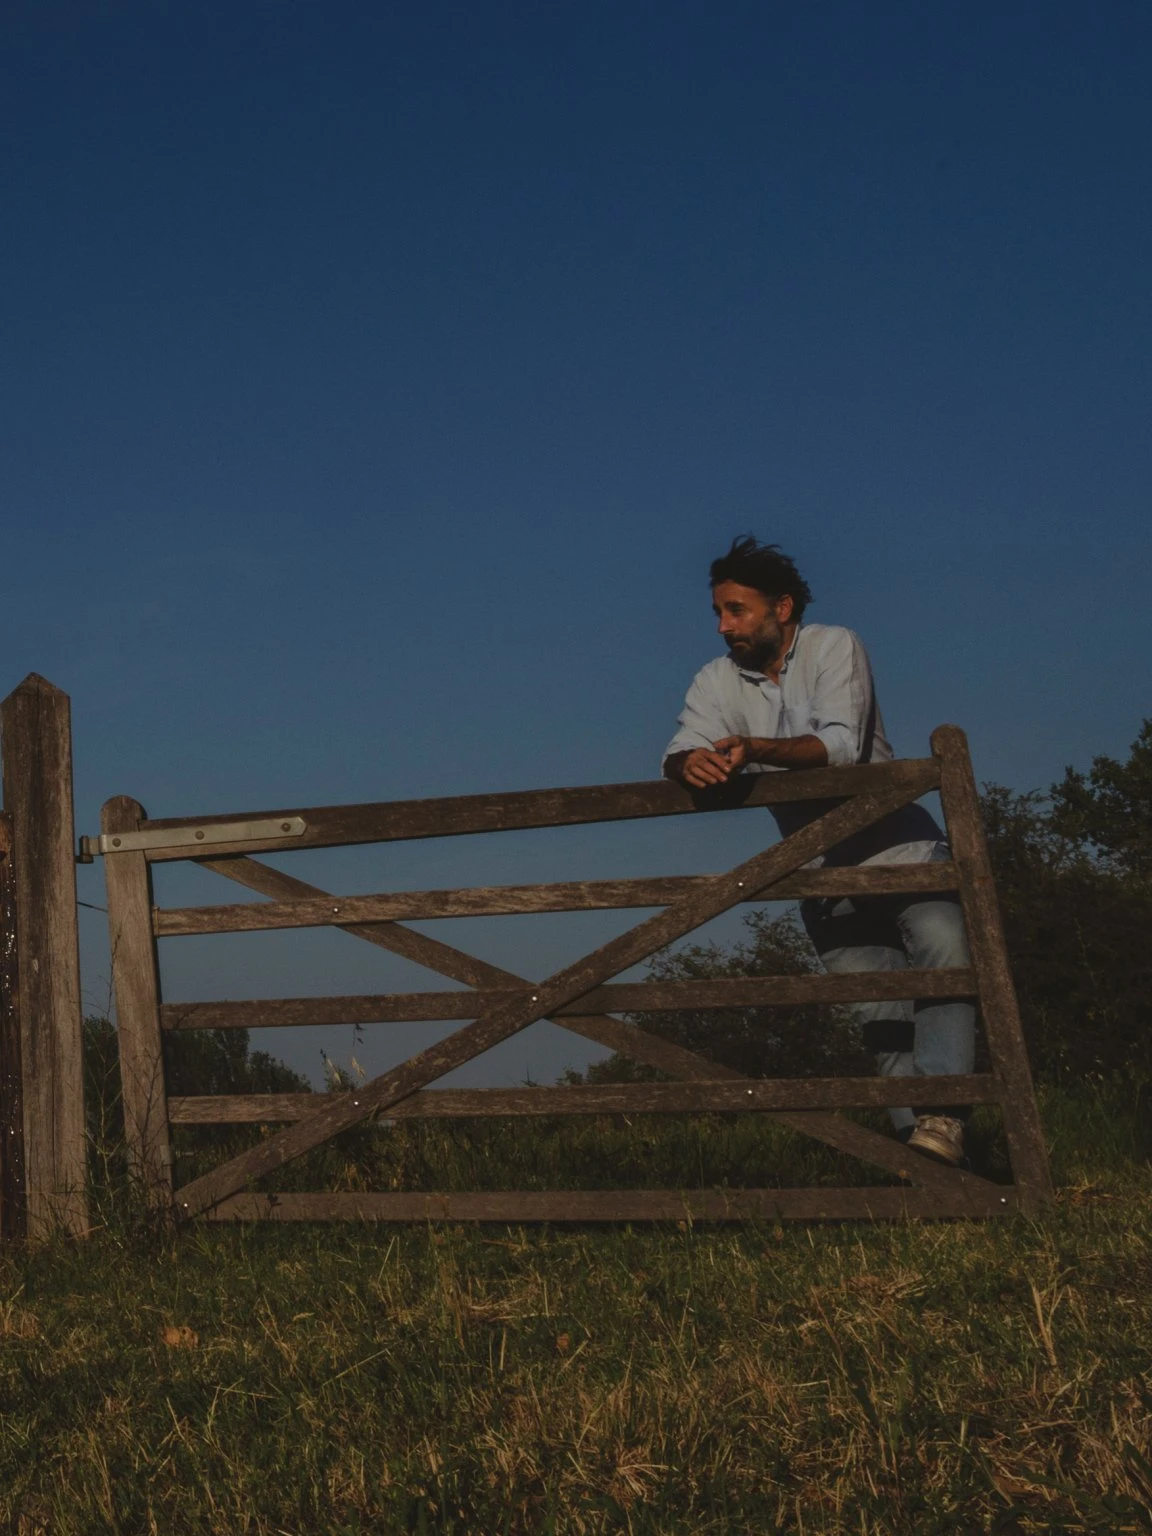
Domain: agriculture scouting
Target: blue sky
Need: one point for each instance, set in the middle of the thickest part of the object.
(379, 381)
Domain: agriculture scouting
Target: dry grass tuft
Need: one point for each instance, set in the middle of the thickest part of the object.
(180, 1338)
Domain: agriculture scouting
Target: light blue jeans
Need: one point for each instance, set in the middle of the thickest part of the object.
(926, 1038)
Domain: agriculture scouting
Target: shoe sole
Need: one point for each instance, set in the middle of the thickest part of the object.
(937, 1153)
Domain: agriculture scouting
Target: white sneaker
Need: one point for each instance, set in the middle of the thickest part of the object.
(940, 1137)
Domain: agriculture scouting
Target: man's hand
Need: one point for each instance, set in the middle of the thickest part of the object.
(736, 751)
(706, 766)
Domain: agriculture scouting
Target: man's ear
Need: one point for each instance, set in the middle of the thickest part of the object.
(784, 608)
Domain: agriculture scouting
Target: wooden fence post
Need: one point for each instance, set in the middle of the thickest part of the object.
(136, 982)
(12, 1193)
(998, 1007)
(37, 748)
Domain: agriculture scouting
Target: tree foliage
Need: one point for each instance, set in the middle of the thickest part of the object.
(1109, 810)
(196, 1061)
(222, 1061)
(1074, 874)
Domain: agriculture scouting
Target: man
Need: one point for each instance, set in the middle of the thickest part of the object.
(789, 696)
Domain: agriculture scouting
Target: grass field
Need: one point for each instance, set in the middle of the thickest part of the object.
(902, 1378)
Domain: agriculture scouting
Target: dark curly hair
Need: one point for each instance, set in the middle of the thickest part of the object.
(765, 567)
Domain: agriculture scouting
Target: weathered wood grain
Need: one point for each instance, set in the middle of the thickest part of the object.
(997, 995)
(492, 901)
(37, 747)
(390, 821)
(13, 1208)
(727, 1097)
(620, 997)
(136, 984)
(569, 1205)
(567, 985)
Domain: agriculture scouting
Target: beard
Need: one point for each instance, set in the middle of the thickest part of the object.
(759, 649)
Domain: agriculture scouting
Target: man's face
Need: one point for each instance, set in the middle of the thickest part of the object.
(751, 624)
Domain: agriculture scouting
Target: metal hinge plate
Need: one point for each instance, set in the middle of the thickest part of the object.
(205, 835)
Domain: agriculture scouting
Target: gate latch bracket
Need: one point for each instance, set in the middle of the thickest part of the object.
(192, 837)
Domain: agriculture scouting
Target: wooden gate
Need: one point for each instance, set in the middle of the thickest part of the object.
(581, 997)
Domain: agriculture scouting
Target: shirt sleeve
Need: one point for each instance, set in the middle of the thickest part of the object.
(701, 720)
(843, 714)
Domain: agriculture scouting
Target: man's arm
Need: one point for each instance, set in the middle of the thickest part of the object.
(706, 766)
(843, 713)
(690, 757)
(842, 716)
(776, 751)
(704, 752)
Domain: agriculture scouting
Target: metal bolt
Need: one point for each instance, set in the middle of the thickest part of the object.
(335, 909)
(115, 842)
(199, 837)
(285, 826)
(355, 1103)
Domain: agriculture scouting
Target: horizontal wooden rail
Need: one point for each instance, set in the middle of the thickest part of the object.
(619, 997)
(332, 826)
(506, 900)
(604, 1098)
(571, 1205)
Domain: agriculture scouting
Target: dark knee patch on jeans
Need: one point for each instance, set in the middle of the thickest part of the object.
(866, 923)
(889, 1035)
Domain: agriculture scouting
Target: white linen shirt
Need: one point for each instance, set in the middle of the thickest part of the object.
(825, 690)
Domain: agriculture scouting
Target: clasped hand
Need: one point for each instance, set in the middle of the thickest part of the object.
(715, 765)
